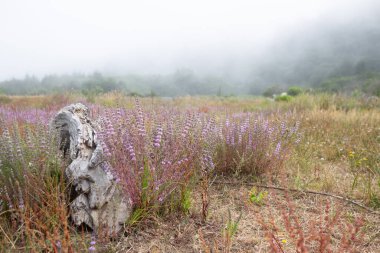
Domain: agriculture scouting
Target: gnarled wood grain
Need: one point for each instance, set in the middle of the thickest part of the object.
(97, 199)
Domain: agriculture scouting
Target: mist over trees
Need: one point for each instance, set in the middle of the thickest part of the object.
(182, 82)
(331, 58)
(326, 57)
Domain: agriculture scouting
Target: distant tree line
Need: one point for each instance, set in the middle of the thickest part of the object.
(182, 82)
(339, 59)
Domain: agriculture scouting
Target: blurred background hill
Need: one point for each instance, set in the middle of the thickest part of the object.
(337, 51)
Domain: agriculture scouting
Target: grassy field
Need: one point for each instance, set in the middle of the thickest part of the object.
(228, 174)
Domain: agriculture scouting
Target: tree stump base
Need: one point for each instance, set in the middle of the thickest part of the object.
(97, 200)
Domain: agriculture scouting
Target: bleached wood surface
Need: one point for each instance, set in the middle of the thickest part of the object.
(97, 200)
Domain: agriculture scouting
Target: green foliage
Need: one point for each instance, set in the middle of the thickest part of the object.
(283, 97)
(231, 226)
(338, 133)
(137, 215)
(186, 200)
(271, 91)
(374, 201)
(338, 84)
(134, 94)
(184, 82)
(4, 99)
(180, 83)
(363, 170)
(146, 181)
(294, 91)
(364, 84)
(257, 197)
(35, 194)
(91, 93)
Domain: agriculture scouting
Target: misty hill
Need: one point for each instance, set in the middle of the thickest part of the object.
(334, 57)
(328, 56)
(314, 54)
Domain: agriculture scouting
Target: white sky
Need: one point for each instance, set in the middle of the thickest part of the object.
(64, 36)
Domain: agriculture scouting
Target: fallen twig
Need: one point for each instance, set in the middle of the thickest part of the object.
(303, 191)
(9, 239)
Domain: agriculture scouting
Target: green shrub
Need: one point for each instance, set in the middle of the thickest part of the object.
(283, 97)
(4, 99)
(294, 91)
(269, 92)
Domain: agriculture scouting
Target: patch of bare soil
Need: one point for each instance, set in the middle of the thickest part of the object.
(188, 234)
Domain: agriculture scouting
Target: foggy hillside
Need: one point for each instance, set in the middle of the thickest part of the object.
(335, 52)
(314, 54)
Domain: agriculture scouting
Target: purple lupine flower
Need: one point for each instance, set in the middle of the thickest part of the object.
(170, 127)
(205, 130)
(29, 140)
(58, 244)
(158, 184)
(107, 167)
(294, 130)
(220, 131)
(103, 144)
(10, 205)
(8, 140)
(18, 151)
(270, 131)
(157, 137)
(131, 151)
(92, 244)
(43, 145)
(110, 130)
(298, 139)
(187, 127)
(228, 134)
(245, 125)
(241, 132)
(128, 146)
(232, 136)
(249, 139)
(297, 126)
(255, 127)
(227, 122)
(105, 148)
(210, 162)
(283, 128)
(140, 119)
(21, 199)
(278, 149)
(265, 125)
(116, 116)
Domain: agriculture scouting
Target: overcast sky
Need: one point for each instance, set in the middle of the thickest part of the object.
(118, 36)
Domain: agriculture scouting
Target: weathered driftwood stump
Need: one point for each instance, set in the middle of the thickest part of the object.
(97, 201)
